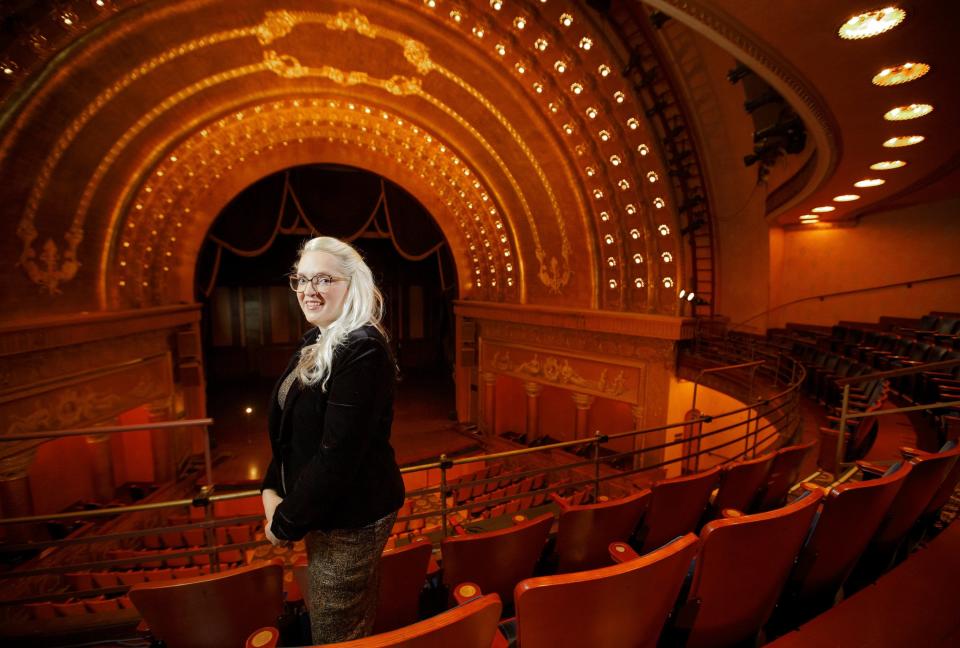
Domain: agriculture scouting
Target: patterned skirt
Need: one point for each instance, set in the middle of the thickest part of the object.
(344, 570)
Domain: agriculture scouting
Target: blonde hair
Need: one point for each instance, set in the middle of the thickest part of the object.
(362, 305)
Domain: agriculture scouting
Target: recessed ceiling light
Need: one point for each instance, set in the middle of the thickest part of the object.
(846, 198)
(886, 165)
(871, 23)
(869, 182)
(809, 217)
(900, 74)
(824, 209)
(903, 140)
(910, 111)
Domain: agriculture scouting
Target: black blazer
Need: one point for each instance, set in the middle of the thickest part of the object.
(332, 460)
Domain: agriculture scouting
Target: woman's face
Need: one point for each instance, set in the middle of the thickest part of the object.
(321, 305)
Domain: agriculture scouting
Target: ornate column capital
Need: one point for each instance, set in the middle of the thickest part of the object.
(532, 389)
(582, 401)
(488, 377)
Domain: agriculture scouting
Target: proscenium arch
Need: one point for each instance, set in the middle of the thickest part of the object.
(541, 141)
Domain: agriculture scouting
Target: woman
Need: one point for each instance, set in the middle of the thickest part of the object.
(333, 478)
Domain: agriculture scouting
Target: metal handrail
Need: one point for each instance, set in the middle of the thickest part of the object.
(846, 415)
(905, 371)
(206, 498)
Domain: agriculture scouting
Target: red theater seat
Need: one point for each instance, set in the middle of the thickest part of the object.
(848, 519)
(739, 574)
(676, 507)
(921, 484)
(403, 572)
(212, 611)
(471, 625)
(784, 473)
(622, 605)
(496, 560)
(740, 482)
(585, 532)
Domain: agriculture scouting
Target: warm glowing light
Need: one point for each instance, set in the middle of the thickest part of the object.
(604, 216)
(566, 19)
(635, 233)
(643, 149)
(664, 230)
(810, 217)
(590, 171)
(560, 67)
(668, 282)
(886, 165)
(638, 258)
(910, 111)
(591, 112)
(521, 68)
(520, 22)
(611, 262)
(900, 74)
(613, 283)
(576, 88)
(501, 49)
(608, 239)
(871, 23)
(585, 43)
(903, 140)
(478, 31)
(615, 160)
(456, 16)
(496, 5)
(638, 282)
(248, 410)
(604, 135)
(659, 203)
(633, 123)
(604, 70)
(568, 129)
(869, 182)
(630, 209)
(538, 88)
(619, 97)
(598, 194)
(667, 257)
(540, 44)
(846, 198)
(824, 209)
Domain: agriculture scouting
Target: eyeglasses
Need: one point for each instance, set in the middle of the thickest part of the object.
(320, 282)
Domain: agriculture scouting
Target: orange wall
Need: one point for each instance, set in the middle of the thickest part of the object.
(132, 451)
(902, 245)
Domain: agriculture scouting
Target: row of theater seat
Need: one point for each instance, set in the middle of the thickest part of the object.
(231, 534)
(797, 555)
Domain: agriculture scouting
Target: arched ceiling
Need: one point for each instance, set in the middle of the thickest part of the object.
(125, 134)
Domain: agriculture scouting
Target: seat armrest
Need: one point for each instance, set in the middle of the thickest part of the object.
(466, 592)
(263, 638)
(517, 519)
(621, 552)
(912, 453)
(870, 470)
(729, 513)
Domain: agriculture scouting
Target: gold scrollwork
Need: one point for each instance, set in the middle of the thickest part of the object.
(55, 269)
(276, 24)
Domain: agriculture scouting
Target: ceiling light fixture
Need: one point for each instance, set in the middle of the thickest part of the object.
(903, 140)
(886, 165)
(910, 111)
(824, 209)
(900, 74)
(871, 23)
(869, 182)
(846, 198)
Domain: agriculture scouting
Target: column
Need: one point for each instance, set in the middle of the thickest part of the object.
(160, 442)
(583, 403)
(533, 410)
(15, 497)
(489, 414)
(101, 466)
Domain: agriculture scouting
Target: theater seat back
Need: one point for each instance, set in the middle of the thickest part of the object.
(403, 573)
(496, 560)
(784, 473)
(676, 507)
(585, 531)
(211, 611)
(740, 482)
(741, 570)
(621, 606)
